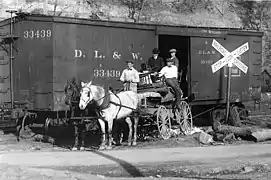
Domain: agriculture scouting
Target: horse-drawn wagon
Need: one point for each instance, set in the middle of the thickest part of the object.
(42, 59)
(153, 103)
(157, 105)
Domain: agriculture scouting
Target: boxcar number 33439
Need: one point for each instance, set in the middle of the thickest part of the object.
(31, 34)
(106, 73)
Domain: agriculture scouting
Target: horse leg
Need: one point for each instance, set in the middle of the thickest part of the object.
(83, 135)
(129, 122)
(18, 128)
(76, 134)
(116, 133)
(136, 119)
(110, 139)
(102, 124)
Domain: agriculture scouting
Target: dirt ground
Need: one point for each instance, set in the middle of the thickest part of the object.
(225, 169)
(213, 164)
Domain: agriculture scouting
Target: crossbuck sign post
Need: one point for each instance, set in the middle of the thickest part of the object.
(229, 59)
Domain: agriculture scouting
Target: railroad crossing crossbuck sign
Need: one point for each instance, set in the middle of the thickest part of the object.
(229, 58)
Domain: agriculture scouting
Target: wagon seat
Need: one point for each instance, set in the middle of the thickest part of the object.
(146, 85)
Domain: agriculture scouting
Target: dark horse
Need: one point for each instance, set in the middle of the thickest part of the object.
(72, 97)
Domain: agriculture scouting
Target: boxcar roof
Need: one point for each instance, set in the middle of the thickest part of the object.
(155, 27)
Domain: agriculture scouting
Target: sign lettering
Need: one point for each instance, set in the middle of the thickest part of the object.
(77, 53)
(38, 34)
(206, 61)
(98, 55)
(116, 55)
(135, 55)
(229, 58)
(206, 52)
(106, 73)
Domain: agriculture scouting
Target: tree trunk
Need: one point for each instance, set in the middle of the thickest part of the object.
(141, 9)
(262, 135)
(238, 131)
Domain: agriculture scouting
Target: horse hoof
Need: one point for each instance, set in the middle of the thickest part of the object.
(129, 143)
(134, 144)
(82, 148)
(74, 149)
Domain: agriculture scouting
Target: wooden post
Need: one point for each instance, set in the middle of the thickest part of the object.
(228, 91)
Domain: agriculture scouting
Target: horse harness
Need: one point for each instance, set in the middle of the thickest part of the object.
(106, 103)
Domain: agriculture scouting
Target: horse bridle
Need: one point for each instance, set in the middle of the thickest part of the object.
(88, 94)
(107, 94)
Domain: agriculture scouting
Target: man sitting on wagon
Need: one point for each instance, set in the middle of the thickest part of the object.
(170, 72)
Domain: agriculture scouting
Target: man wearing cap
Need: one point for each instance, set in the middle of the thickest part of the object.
(130, 77)
(174, 58)
(170, 72)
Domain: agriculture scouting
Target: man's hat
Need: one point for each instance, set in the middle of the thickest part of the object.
(172, 50)
(169, 60)
(155, 51)
(130, 60)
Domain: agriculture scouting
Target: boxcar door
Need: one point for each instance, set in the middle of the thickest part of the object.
(205, 84)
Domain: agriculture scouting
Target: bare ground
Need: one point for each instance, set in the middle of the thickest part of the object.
(245, 167)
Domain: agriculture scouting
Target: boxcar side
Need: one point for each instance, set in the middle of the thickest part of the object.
(33, 66)
(96, 53)
(52, 50)
(211, 87)
(4, 64)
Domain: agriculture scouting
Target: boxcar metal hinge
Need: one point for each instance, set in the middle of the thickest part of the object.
(4, 77)
(3, 34)
(4, 63)
(4, 91)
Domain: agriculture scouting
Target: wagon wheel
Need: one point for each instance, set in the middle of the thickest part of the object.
(183, 116)
(163, 122)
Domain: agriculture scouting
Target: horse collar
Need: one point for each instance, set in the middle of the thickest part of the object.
(106, 101)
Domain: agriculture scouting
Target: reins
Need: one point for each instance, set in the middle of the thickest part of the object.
(120, 104)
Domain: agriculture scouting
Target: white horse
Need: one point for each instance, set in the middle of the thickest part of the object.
(111, 107)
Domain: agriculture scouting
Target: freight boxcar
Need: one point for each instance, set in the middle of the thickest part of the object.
(49, 50)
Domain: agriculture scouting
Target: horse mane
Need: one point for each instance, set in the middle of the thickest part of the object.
(105, 98)
(72, 92)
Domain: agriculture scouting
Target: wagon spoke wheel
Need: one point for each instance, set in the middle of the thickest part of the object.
(163, 122)
(183, 116)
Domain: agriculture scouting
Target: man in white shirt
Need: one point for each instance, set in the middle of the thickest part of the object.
(130, 77)
(170, 72)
